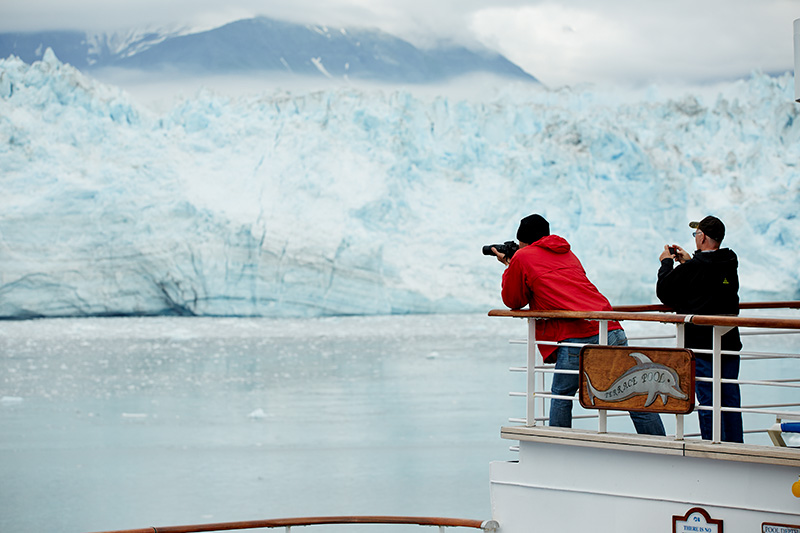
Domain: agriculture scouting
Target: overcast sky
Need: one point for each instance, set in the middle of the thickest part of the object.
(559, 42)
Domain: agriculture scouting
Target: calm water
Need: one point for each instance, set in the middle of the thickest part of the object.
(129, 423)
(124, 423)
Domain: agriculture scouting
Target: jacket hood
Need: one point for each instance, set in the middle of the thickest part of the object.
(721, 256)
(553, 243)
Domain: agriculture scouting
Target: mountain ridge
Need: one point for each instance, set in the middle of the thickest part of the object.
(261, 45)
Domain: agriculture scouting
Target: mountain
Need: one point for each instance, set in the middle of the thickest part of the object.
(263, 45)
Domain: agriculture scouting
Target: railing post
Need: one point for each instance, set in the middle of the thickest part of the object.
(531, 375)
(602, 414)
(680, 336)
(716, 393)
(603, 333)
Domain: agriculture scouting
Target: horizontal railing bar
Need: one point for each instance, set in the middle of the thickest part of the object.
(771, 405)
(743, 333)
(788, 383)
(768, 383)
(755, 355)
(556, 343)
(583, 416)
(750, 356)
(706, 351)
(545, 394)
(744, 354)
(318, 520)
(792, 304)
(702, 320)
(768, 355)
(749, 322)
(748, 332)
(590, 315)
(556, 396)
(748, 408)
(758, 411)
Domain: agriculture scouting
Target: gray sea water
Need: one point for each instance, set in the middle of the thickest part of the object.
(133, 422)
(121, 423)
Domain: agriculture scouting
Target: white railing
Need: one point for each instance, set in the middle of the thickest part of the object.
(656, 320)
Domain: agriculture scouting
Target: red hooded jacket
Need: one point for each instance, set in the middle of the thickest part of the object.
(547, 276)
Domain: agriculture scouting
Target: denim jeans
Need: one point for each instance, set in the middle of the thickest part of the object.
(567, 385)
(732, 430)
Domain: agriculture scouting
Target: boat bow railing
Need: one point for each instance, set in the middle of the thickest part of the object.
(489, 526)
(537, 380)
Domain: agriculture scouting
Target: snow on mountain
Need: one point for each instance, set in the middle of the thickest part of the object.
(349, 201)
(124, 44)
(261, 45)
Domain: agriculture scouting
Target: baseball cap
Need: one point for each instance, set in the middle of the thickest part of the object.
(711, 226)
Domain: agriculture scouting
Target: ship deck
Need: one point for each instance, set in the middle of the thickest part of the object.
(654, 444)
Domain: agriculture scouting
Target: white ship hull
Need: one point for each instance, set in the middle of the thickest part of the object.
(571, 480)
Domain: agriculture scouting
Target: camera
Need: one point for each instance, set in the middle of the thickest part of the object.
(672, 250)
(508, 248)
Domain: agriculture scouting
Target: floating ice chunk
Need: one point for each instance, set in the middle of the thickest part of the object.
(257, 414)
(10, 400)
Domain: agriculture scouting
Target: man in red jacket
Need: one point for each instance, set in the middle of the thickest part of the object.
(545, 275)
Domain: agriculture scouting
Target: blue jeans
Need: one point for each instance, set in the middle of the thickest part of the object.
(732, 430)
(567, 385)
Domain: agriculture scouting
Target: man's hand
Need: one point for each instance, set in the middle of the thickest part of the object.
(680, 255)
(500, 257)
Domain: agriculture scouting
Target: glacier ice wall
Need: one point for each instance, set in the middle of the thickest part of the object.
(355, 201)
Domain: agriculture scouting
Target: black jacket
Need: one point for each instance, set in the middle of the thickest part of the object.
(707, 284)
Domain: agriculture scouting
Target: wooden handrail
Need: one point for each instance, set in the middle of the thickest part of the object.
(590, 315)
(659, 313)
(793, 304)
(488, 525)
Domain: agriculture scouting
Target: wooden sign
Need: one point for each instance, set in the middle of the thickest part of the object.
(659, 380)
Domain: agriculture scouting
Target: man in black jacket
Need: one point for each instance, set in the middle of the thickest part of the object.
(707, 284)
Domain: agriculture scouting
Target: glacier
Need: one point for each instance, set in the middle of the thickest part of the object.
(357, 201)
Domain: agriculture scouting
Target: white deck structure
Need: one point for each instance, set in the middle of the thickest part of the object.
(594, 480)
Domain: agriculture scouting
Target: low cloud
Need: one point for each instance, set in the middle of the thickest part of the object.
(640, 42)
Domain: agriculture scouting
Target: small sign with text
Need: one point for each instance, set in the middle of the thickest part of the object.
(766, 527)
(696, 520)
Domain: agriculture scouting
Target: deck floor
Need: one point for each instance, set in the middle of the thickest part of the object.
(654, 444)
